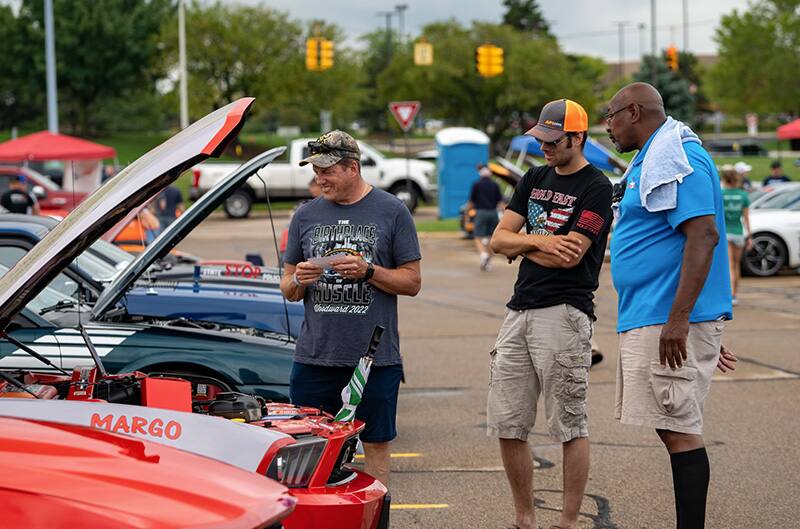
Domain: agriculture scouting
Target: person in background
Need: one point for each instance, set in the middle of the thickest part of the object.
(17, 198)
(775, 175)
(486, 198)
(744, 169)
(736, 202)
(108, 172)
(168, 206)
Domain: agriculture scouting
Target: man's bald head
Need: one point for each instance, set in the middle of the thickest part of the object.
(635, 112)
(643, 94)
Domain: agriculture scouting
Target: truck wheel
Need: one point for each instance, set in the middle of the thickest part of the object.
(766, 257)
(408, 195)
(238, 205)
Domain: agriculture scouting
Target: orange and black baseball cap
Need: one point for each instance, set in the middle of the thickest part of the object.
(559, 117)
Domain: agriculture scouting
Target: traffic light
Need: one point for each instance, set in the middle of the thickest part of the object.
(672, 58)
(489, 60)
(319, 54)
(325, 54)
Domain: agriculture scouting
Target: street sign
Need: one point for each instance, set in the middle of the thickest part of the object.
(423, 53)
(404, 112)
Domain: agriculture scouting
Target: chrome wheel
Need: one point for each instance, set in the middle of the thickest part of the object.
(766, 257)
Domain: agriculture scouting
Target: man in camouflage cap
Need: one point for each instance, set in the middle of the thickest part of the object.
(331, 148)
(349, 254)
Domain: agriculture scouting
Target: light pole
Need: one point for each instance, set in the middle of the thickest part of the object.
(642, 39)
(50, 65)
(653, 76)
(400, 8)
(685, 25)
(184, 94)
(388, 15)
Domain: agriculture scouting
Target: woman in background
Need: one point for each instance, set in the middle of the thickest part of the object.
(736, 203)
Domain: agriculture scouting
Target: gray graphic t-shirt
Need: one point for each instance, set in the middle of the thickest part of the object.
(340, 314)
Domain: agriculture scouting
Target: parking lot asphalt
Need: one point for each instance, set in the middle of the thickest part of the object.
(447, 473)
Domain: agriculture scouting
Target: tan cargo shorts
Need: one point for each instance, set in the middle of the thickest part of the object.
(662, 397)
(540, 351)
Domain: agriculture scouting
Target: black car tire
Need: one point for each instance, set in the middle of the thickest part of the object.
(410, 195)
(238, 205)
(767, 256)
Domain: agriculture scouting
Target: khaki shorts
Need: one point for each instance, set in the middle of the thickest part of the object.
(661, 397)
(540, 351)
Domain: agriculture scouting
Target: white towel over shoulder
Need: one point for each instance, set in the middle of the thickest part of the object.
(665, 165)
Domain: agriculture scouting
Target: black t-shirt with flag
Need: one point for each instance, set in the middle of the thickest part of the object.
(555, 204)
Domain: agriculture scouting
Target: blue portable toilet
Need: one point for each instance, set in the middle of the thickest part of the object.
(461, 149)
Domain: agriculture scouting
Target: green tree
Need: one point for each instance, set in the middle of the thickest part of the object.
(21, 87)
(525, 15)
(759, 57)
(238, 50)
(104, 49)
(678, 98)
(536, 71)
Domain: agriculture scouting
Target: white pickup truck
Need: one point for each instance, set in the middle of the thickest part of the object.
(409, 180)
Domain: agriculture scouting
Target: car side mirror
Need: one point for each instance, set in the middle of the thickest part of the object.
(39, 192)
(368, 162)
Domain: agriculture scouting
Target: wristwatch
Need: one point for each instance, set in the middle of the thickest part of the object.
(370, 272)
(295, 280)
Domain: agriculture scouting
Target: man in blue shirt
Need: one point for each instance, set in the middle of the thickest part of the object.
(674, 292)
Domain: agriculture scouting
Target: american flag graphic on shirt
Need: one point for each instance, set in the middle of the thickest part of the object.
(557, 218)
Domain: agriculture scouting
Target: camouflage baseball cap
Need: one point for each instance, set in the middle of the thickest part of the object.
(330, 148)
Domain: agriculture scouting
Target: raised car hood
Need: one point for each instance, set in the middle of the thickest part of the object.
(179, 229)
(135, 184)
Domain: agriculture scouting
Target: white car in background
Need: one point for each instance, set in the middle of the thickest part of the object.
(775, 224)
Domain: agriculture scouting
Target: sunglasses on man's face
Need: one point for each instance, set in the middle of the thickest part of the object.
(317, 147)
(554, 144)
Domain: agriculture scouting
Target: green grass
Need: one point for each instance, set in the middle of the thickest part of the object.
(450, 225)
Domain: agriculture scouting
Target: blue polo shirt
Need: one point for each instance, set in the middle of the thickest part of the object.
(647, 248)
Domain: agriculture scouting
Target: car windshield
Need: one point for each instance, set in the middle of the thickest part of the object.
(111, 254)
(98, 269)
(44, 181)
(781, 199)
(46, 298)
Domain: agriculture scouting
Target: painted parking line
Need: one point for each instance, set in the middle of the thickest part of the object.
(404, 506)
(396, 456)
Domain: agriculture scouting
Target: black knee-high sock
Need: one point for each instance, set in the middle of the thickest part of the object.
(690, 476)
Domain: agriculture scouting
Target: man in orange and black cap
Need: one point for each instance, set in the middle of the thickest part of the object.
(543, 347)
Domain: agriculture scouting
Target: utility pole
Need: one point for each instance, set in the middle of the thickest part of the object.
(621, 30)
(388, 15)
(685, 25)
(653, 50)
(50, 64)
(642, 39)
(400, 8)
(184, 93)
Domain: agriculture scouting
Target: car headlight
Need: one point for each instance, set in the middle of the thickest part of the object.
(294, 464)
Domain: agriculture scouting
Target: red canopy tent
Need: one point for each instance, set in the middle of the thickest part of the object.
(45, 145)
(790, 131)
(83, 170)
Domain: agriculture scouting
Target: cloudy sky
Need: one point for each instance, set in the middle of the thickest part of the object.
(582, 26)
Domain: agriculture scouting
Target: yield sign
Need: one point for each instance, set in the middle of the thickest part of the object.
(404, 112)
